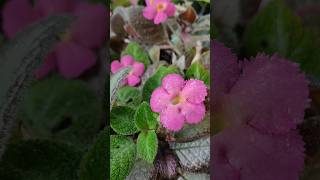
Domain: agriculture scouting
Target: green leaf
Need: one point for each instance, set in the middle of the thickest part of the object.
(95, 163)
(130, 96)
(115, 83)
(144, 118)
(138, 53)
(122, 120)
(198, 71)
(65, 110)
(147, 146)
(277, 30)
(155, 81)
(123, 155)
(40, 159)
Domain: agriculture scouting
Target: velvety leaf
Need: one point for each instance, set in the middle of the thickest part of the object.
(244, 153)
(38, 160)
(20, 56)
(137, 52)
(198, 71)
(66, 110)
(194, 176)
(145, 119)
(147, 146)
(122, 120)
(141, 171)
(283, 33)
(155, 81)
(95, 163)
(115, 83)
(192, 132)
(193, 155)
(128, 95)
(123, 155)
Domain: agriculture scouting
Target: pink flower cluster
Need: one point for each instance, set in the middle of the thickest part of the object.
(76, 51)
(159, 10)
(133, 77)
(262, 100)
(179, 101)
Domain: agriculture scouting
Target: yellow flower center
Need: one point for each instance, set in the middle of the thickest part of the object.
(66, 36)
(176, 100)
(161, 7)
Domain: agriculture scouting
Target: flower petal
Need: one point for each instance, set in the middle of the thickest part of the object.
(138, 68)
(160, 17)
(195, 91)
(127, 60)
(48, 66)
(116, 66)
(90, 29)
(271, 95)
(194, 113)
(171, 118)
(159, 100)
(149, 12)
(133, 80)
(73, 59)
(173, 83)
(17, 14)
(171, 9)
(49, 7)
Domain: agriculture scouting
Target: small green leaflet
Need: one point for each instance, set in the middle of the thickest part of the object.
(145, 119)
(123, 155)
(147, 146)
(122, 120)
(128, 95)
(138, 53)
(198, 71)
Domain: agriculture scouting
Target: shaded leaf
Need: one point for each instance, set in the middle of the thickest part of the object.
(115, 83)
(122, 120)
(137, 52)
(194, 176)
(123, 154)
(141, 171)
(193, 155)
(128, 95)
(147, 146)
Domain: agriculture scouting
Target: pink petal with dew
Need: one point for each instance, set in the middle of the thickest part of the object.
(160, 17)
(159, 100)
(149, 12)
(253, 155)
(173, 83)
(90, 29)
(171, 118)
(73, 59)
(194, 113)
(16, 15)
(133, 80)
(171, 9)
(226, 71)
(49, 65)
(271, 95)
(50, 7)
(138, 68)
(195, 91)
(116, 66)
(127, 60)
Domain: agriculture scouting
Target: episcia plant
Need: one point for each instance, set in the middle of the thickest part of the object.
(159, 91)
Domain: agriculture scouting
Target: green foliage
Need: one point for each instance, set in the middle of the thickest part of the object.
(130, 96)
(122, 120)
(155, 81)
(117, 3)
(39, 160)
(115, 83)
(137, 52)
(61, 109)
(277, 30)
(123, 155)
(95, 163)
(198, 71)
(144, 118)
(147, 145)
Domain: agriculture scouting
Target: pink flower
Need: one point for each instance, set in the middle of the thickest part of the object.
(75, 53)
(133, 77)
(179, 101)
(159, 10)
